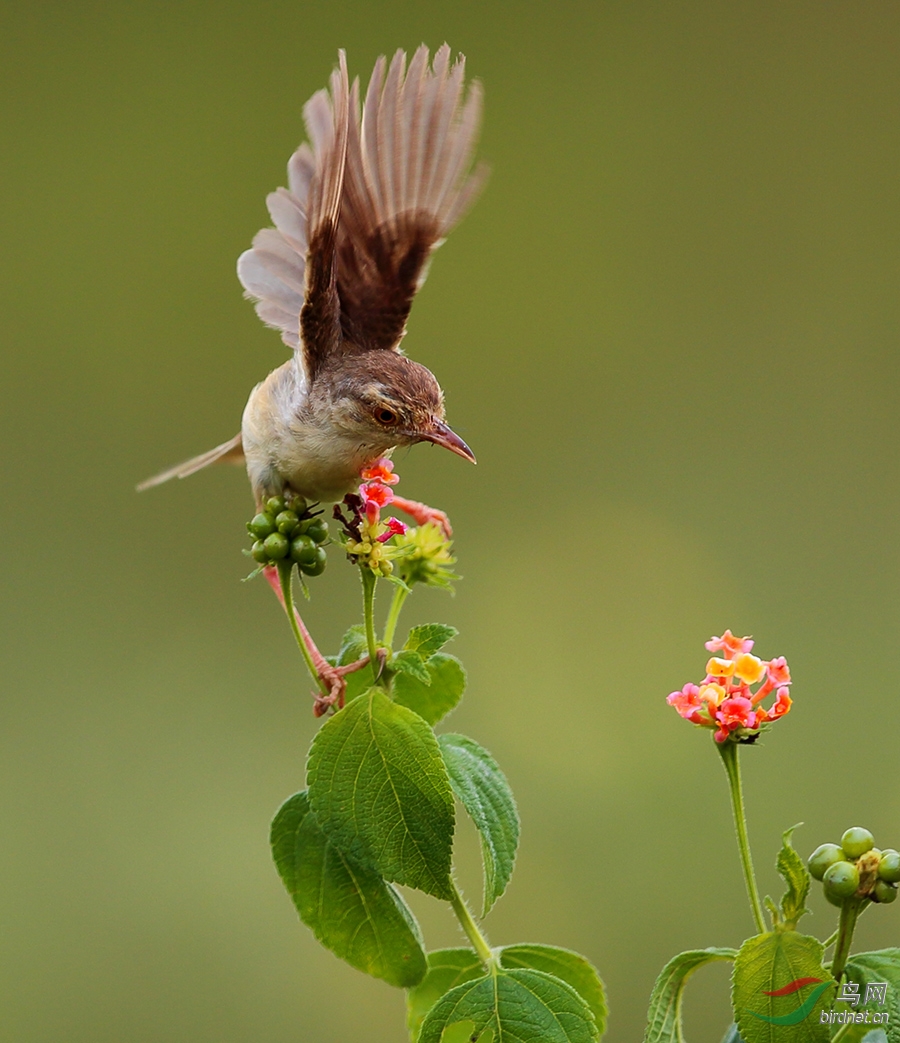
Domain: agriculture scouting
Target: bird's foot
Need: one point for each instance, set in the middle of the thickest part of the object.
(422, 514)
(334, 678)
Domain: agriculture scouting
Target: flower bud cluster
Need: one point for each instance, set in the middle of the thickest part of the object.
(288, 530)
(423, 555)
(725, 700)
(856, 869)
(365, 534)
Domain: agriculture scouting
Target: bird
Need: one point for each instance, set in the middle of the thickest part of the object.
(375, 191)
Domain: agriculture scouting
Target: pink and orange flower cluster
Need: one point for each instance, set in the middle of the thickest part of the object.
(365, 533)
(725, 699)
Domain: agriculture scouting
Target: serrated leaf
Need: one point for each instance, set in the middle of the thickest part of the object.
(353, 648)
(770, 1003)
(795, 874)
(881, 966)
(433, 701)
(430, 638)
(447, 968)
(570, 967)
(380, 791)
(664, 1013)
(521, 1006)
(353, 645)
(482, 789)
(349, 908)
(464, 1032)
(408, 662)
(732, 1035)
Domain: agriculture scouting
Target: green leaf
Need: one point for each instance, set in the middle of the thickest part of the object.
(353, 645)
(867, 968)
(430, 638)
(464, 1032)
(408, 662)
(570, 966)
(447, 968)
(732, 1035)
(353, 648)
(483, 791)
(521, 1006)
(664, 1015)
(795, 874)
(349, 908)
(770, 963)
(380, 791)
(433, 701)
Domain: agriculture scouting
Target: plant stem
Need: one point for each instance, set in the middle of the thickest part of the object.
(369, 580)
(830, 940)
(729, 752)
(400, 595)
(467, 922)
(849, 914)
(284, 578)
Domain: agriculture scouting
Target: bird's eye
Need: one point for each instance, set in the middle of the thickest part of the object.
(385, 416)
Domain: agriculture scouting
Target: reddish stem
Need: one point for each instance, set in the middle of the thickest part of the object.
(330, 678)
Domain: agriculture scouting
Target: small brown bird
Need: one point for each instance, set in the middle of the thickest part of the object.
(368, 201)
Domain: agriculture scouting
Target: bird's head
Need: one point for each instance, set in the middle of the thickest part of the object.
(387, 400)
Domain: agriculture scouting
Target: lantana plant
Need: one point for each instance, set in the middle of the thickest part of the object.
(383, 788)
(783, 987)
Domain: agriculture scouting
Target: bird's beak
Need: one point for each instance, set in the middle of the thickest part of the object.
(443, 435)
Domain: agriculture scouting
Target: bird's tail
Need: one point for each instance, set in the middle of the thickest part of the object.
(232, 451)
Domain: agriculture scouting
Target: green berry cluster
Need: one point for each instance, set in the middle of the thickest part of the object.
(855, 868)
(288, 530)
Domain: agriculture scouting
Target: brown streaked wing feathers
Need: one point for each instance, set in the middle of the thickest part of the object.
(327, 120)
(406, 184)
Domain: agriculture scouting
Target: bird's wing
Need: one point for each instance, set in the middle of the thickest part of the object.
(407, 182)
(290, 270)
(367, 203)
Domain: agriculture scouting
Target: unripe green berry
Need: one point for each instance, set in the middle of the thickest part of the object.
(841, 879)
(286, 522)
(262, 525)
(834, 899)
(259, 552)
(824, 856)
(889, 866)
(275, 505)
(318, 566)
(857, 841)
(296, 503)
(884, 892)
(303, 550)
(276, 546)
(318, 530)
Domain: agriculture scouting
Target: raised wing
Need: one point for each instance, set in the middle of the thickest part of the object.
(376, 193)
(290, 270)
(406, 184)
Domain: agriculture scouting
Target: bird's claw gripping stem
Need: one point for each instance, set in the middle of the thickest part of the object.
(422, 514)
(332, 680)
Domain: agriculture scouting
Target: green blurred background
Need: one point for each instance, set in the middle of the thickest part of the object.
(668, 329)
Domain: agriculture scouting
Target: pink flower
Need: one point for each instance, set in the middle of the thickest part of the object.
(777, 671)
(382, 470)
(687, 701)
(726, 699)
(395, 527)
(377, 493)
(781, 705)
(729, 644)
